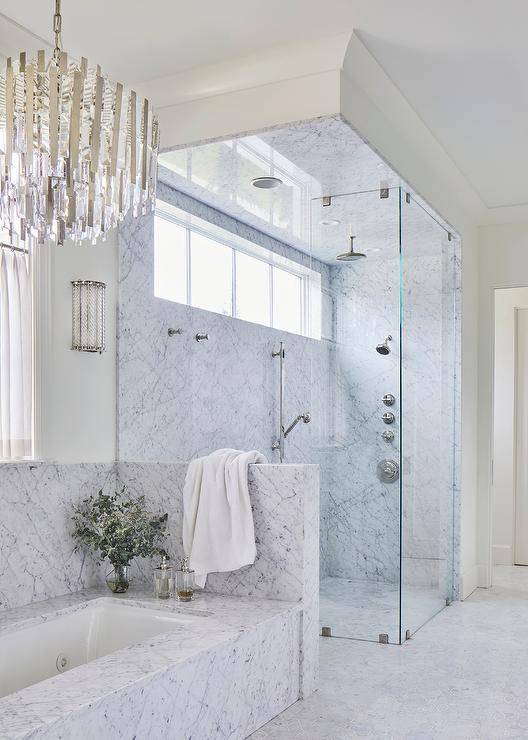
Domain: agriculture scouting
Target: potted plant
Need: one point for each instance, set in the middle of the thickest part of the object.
(119, 528)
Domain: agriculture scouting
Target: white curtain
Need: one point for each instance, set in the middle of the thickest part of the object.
(16, 361)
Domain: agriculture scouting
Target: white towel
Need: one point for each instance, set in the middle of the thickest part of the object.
(218, 530)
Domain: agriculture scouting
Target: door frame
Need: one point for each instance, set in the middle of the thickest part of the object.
(490, 444)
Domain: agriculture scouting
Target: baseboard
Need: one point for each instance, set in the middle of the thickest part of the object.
(502, 555)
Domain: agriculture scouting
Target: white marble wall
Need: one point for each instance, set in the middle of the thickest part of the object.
(37, 557)
(37, 548)
(361, 514)
(179, 399)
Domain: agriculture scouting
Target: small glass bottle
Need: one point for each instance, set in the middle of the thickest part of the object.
(164, 579)
(185, 582)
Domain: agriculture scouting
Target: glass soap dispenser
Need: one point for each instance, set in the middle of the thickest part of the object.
(164, 579)
(185, 581)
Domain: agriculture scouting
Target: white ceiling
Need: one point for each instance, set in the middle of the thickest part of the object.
(463, 66)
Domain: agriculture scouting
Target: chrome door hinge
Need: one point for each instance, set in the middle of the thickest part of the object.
(384, 193)
(327, 200)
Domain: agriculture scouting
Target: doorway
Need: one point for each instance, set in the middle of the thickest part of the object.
(510, 428)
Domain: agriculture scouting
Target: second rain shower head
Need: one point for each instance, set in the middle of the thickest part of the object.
(351, 255)
(383, 348)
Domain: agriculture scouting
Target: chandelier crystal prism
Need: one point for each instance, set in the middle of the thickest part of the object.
(77, 151)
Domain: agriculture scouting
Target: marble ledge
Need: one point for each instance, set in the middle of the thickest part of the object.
(211, 622)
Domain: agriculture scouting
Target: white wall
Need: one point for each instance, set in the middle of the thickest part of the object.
(503, 263)
(503, 490)
(78, 392)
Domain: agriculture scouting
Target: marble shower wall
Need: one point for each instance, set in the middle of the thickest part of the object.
(179, 399)
(360, 515)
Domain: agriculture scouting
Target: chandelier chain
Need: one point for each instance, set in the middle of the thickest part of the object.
(57, 28)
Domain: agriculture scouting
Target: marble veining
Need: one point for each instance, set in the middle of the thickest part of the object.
(38, 557)
(340, 379)
(43, 563)
(228, 670)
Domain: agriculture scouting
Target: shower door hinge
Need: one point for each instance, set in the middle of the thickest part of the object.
(449, 236)
(327, 200)
(326, 632)
(383, 638)
(384, 193)
(448, 602)
(407, 197)
(407, 634)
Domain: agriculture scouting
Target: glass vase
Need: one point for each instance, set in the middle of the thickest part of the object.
(117, 579)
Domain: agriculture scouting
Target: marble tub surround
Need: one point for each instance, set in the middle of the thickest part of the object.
(37, 551)
(233, 666)
(39, 560)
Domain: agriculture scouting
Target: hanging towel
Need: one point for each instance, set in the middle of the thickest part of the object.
(218, 531)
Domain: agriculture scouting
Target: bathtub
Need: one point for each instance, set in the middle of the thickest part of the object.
(38, 652)
(90, 666)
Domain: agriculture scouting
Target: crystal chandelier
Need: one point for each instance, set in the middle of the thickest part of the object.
(77, 151)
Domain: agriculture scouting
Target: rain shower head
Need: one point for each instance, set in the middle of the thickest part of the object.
(350, 256)
(383, 348)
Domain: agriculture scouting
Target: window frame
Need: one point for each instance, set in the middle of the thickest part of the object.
(306, 275)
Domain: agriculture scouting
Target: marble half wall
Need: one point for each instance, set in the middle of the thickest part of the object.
(285, 503)
(37, 551)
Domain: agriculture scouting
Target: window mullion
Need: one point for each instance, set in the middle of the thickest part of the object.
(188, 248)
(234, 284)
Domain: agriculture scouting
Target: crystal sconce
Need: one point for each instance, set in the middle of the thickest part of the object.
(88, 315)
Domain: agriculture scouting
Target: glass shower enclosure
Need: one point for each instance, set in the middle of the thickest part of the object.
(386, 440)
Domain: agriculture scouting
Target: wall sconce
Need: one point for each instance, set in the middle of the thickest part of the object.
(88, 315)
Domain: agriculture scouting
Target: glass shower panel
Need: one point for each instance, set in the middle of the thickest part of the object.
(360, 513)
(428, 402)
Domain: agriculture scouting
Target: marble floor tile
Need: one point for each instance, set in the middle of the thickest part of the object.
(463, 675)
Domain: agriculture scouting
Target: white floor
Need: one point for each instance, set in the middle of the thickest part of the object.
(362, 610)
(463, 675)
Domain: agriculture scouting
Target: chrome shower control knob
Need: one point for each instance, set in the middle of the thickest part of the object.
(388, 435)
(388, 417)
(388, 399)
(388, 471)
